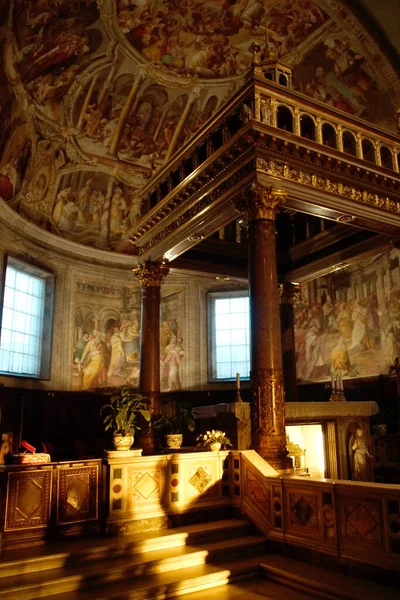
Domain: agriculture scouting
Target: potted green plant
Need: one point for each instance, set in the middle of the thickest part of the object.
(122, 416)
(173, 427)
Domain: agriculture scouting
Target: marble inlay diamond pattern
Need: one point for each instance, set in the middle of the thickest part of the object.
(362, 521)
(303, 510)
(200, 480)
(146, 485)
(258, 493)
(29, 497)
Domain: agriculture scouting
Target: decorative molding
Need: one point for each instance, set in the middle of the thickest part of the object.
(325, 410)
(325, 184)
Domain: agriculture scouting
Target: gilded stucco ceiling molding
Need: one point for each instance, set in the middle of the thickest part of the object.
(281, 170)
(109, 64)
(108, 14)
(366, 45)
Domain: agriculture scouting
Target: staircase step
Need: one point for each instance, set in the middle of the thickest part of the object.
(167, 585)
(322, 583)
(97, 569)
(20, 562)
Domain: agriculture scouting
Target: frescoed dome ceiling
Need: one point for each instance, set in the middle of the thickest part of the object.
(100, 94)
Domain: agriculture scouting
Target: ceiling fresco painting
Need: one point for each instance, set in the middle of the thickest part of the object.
(211, 39)
(101, 94)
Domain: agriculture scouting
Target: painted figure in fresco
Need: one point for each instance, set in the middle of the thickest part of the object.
(80, 347)
(360, 335)
(314, 342)
(205, 38)
(92, 366)
(118, 207)
(359, 454)
(8, 180)
(117, 360)
(171, 359)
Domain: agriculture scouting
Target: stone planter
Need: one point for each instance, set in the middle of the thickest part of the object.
(122, 442)
(173, 440)
(215, 447)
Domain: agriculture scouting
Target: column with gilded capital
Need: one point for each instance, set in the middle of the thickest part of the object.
(268, 396)
(151, 276)
(288, 292)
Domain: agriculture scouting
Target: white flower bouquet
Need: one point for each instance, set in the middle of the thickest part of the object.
(213, 438)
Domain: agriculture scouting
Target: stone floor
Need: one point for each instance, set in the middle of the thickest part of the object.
(259, 589)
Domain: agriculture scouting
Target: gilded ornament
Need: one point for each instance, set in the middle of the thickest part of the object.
(151, 274)
(262, 203)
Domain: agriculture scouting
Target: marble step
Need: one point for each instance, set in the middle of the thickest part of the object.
(318, 582)
(76, 551)
(109, 571)
(257, 588)
(169, 585)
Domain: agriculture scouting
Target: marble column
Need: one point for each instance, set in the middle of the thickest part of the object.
(268, 396)
(288, 292)
(151, 276)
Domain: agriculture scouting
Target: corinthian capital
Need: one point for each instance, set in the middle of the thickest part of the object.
(151, 274)
(262, 203)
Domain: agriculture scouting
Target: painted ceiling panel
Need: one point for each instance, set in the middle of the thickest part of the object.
(96, 96)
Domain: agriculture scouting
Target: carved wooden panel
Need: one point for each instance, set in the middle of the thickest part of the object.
(28, 499)
(77, 493)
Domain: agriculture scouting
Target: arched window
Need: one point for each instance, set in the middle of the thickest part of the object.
(386, 158)
(368, 151)
(329, 135)
(307, 127)
(349, 143)
(285, 118)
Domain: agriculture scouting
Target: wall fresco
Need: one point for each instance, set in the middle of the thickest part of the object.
(94, 208)
(106, 335)
(347, 324)
(172, 343)
(106, 345)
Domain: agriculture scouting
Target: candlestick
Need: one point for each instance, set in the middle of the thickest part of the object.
(238, 381)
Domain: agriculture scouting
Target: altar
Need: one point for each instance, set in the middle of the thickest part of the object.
(319, 433)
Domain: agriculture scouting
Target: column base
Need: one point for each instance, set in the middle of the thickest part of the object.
(283, 464)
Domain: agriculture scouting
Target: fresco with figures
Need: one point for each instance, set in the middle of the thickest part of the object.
(106, 343)
(97, 95)
(347, 324)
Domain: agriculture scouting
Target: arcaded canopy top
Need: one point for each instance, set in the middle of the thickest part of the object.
(101, 94)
